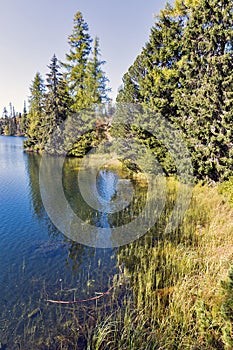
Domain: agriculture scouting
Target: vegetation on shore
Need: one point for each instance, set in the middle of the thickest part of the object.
(183, 74)
(182, 287)
(13, 123)
(174, 290)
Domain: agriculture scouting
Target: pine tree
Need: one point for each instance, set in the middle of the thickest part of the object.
(13, 125)
(96, 80)
(36, 121)
(23, 120)
(152, 79)
(185, 73)
(5, 116)
(205, 99)
(11, 110)
(87, 85)
(57, 96)
(57, 106)
(130, 92)
(77, 59)
(154, 74)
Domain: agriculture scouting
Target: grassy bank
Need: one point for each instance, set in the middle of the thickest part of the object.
(172, 290)
(179, 283)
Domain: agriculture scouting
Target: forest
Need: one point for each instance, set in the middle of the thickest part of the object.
(183, 73)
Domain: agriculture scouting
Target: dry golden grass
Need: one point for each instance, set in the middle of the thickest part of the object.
(177, 282)
(195, 302)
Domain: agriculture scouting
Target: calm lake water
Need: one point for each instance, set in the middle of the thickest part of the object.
(37, 262)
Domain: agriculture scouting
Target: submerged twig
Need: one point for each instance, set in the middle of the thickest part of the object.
(82, 300)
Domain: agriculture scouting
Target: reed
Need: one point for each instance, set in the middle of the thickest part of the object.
(177, 295)
(169, 290)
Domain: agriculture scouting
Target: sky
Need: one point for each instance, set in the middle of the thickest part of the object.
(32, 31)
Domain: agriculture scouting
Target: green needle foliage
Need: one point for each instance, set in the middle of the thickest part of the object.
(77, 59)
(95, 82)
(184, 72)
(58, 100)
(36, 121)
(80, 86)
(204, 99)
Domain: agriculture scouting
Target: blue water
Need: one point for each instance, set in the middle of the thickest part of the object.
(37, 262)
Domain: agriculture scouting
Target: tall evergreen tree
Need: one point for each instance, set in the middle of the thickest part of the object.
(154, 74)
(185, 73)
(11, 110)
(36, 122)
(152, 79)
(5, 114)
(130, 91)
(77, 59)
(96, 80)
(57, 96)
(205, 99)
(87, 83)
(23, 120)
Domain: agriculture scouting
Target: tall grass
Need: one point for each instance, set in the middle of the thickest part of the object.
(173, 290)
(177, 295)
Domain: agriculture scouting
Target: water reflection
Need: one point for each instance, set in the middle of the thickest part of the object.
(106, 185)
(38, 262)
(72, 199)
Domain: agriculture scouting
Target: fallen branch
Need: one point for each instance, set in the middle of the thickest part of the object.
(82, 300)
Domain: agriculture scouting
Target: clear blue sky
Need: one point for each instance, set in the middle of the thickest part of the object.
(32, 31)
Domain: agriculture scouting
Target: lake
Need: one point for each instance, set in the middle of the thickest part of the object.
(82, 248)
(38, 262)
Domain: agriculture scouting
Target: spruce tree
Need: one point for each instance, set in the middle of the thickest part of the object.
(87, 85)
(152, 79)
(185, 73)
(130, 91)
(57, 96)
(96, 80)
(76, 62)
(154, 75)
(57, 106)
(23, 119)
(5, 116)
(204, 99)
(36, 122)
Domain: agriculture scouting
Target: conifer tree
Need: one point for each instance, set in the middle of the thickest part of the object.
(23, 120)
(5, 116)
(153, 77)
(76, 62)
(130, 91)
(36, 122)
(204, 99)
(87, 85)
(185, 73)
(57, 97)
(5, 113)
(154, 74)
(96, 80)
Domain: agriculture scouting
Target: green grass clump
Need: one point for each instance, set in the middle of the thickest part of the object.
(171, 290)
(178, 300)
(226, 188)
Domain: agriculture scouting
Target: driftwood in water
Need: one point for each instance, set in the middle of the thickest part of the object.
(82, 300)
